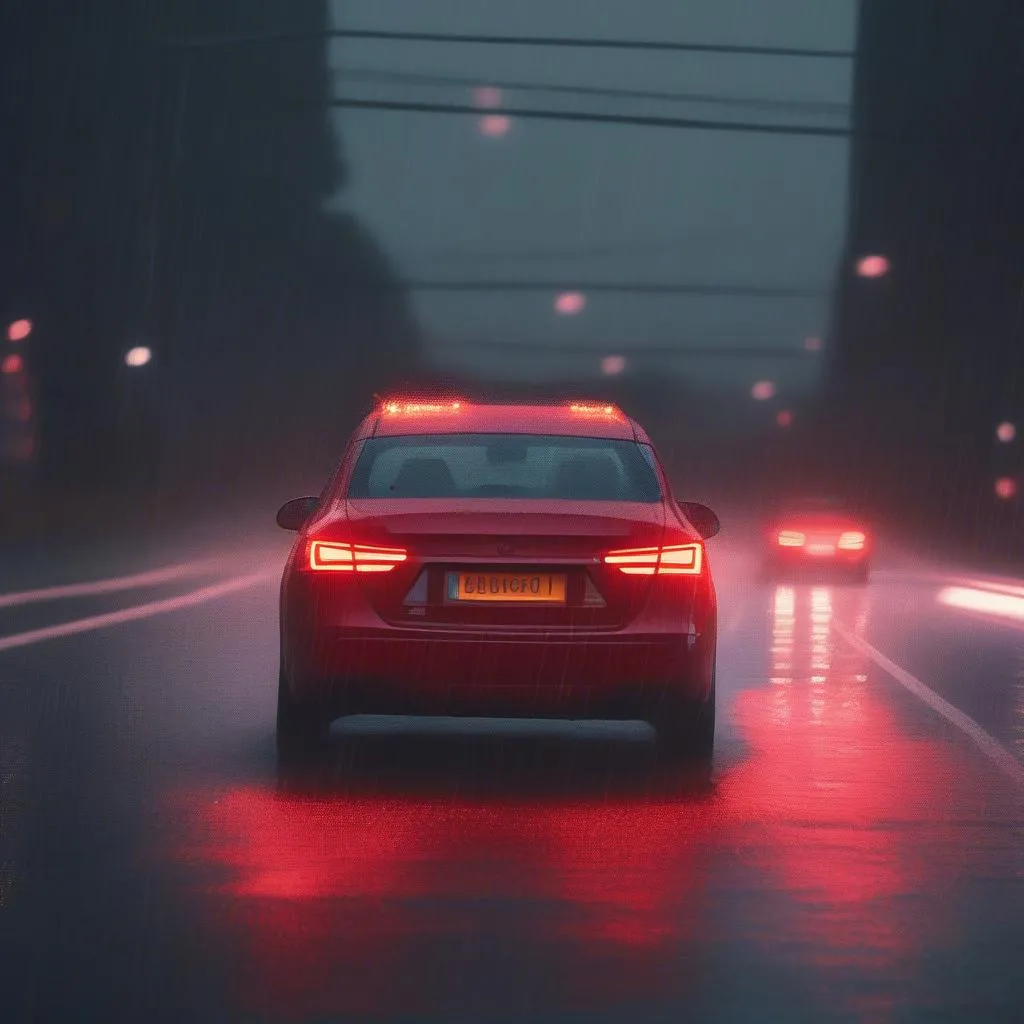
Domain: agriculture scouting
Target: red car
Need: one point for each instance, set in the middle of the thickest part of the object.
(819, 533)
(499, 561)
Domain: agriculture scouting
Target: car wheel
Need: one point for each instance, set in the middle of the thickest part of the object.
(686, 728)
(299, 729)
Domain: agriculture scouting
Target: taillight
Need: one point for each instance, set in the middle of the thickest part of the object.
(791, 539)
(677, 560)
(329, 556)
(853, 540)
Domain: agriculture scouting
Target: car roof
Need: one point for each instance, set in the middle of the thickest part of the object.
(403, 417)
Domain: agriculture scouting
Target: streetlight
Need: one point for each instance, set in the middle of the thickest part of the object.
(19, 330)
(762, 391)
(612, 365)
(1006, 432)
(570, 303)
(1006, 487)
(138, 356)
(784, 418)
(813, 344)
(873, 266)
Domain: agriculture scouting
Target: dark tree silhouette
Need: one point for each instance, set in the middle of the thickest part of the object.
(176, 198)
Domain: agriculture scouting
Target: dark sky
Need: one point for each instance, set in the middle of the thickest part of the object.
(555, 200)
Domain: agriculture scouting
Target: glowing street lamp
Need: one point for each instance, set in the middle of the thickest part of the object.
(570, 303)
(1006, 488)
(19, 330)
(762, 391)
(784, 418)
(1006, 432)
(138, 356)
(612, 365)
(873, 266)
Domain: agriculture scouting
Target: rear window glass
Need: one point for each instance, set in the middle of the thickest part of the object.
(505, 466)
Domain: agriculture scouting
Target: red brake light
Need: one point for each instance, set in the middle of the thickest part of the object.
(677, 560)
(853, 540)
(327, 556)
(791, 539)
(596, 409)
(411, 407)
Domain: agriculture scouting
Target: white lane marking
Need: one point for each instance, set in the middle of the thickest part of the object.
(140, 611)
(113, 585)
(985, 742)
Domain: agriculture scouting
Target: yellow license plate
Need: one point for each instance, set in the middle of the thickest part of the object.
(518, 587)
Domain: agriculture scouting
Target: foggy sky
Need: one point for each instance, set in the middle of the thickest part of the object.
(604, 202)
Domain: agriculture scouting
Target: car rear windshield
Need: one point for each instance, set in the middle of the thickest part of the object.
(505, 466)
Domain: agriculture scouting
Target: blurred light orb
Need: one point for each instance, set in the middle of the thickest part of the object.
(763, 390)
(1006, 432)
(487, 96)
(494, 126)
(814, 344)
(612, 365)
(872, 266)
(570, 303)
(12, 364)
(19, 330)
(1006, 488)
(138, 356)
(784, 418)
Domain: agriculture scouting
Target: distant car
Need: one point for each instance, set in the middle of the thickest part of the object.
(818, 533)
(499, 560)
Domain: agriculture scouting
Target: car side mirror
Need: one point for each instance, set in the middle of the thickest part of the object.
(703, 520)
(294, 514)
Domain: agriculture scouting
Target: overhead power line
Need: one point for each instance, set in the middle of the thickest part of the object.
(616, 287)
(712, 99)
(564, 42)
(630, 352)
(641, 120)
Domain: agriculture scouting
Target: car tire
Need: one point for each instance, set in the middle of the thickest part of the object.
(300, 730)
(685, 729)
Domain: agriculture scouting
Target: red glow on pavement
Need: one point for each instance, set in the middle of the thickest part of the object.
(570, 303)
(487, 96)
(612, 365)
(19, 330)
(763, 390)
(494, 126)
(873, 266)
(784, 418)
(1006, 432)
(12, 364)
(1006, 488)
(332, 895)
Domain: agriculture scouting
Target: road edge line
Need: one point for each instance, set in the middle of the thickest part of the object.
(135, 612)
(111, 585)
(984, 741)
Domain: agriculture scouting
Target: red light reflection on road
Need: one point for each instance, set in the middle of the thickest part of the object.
(334, 896)
(358, 905)
(829, 790)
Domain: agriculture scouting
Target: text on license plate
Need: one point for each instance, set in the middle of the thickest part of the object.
(523, 587)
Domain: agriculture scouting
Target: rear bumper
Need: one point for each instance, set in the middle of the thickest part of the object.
(400, 672)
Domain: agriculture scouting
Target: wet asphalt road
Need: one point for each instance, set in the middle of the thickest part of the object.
(856, 853)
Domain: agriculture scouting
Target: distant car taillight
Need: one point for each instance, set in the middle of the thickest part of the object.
(330, 556)
(791, 539)
(852, 540)
(676, 560)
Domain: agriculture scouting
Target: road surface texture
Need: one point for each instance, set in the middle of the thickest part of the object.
(856, 853)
